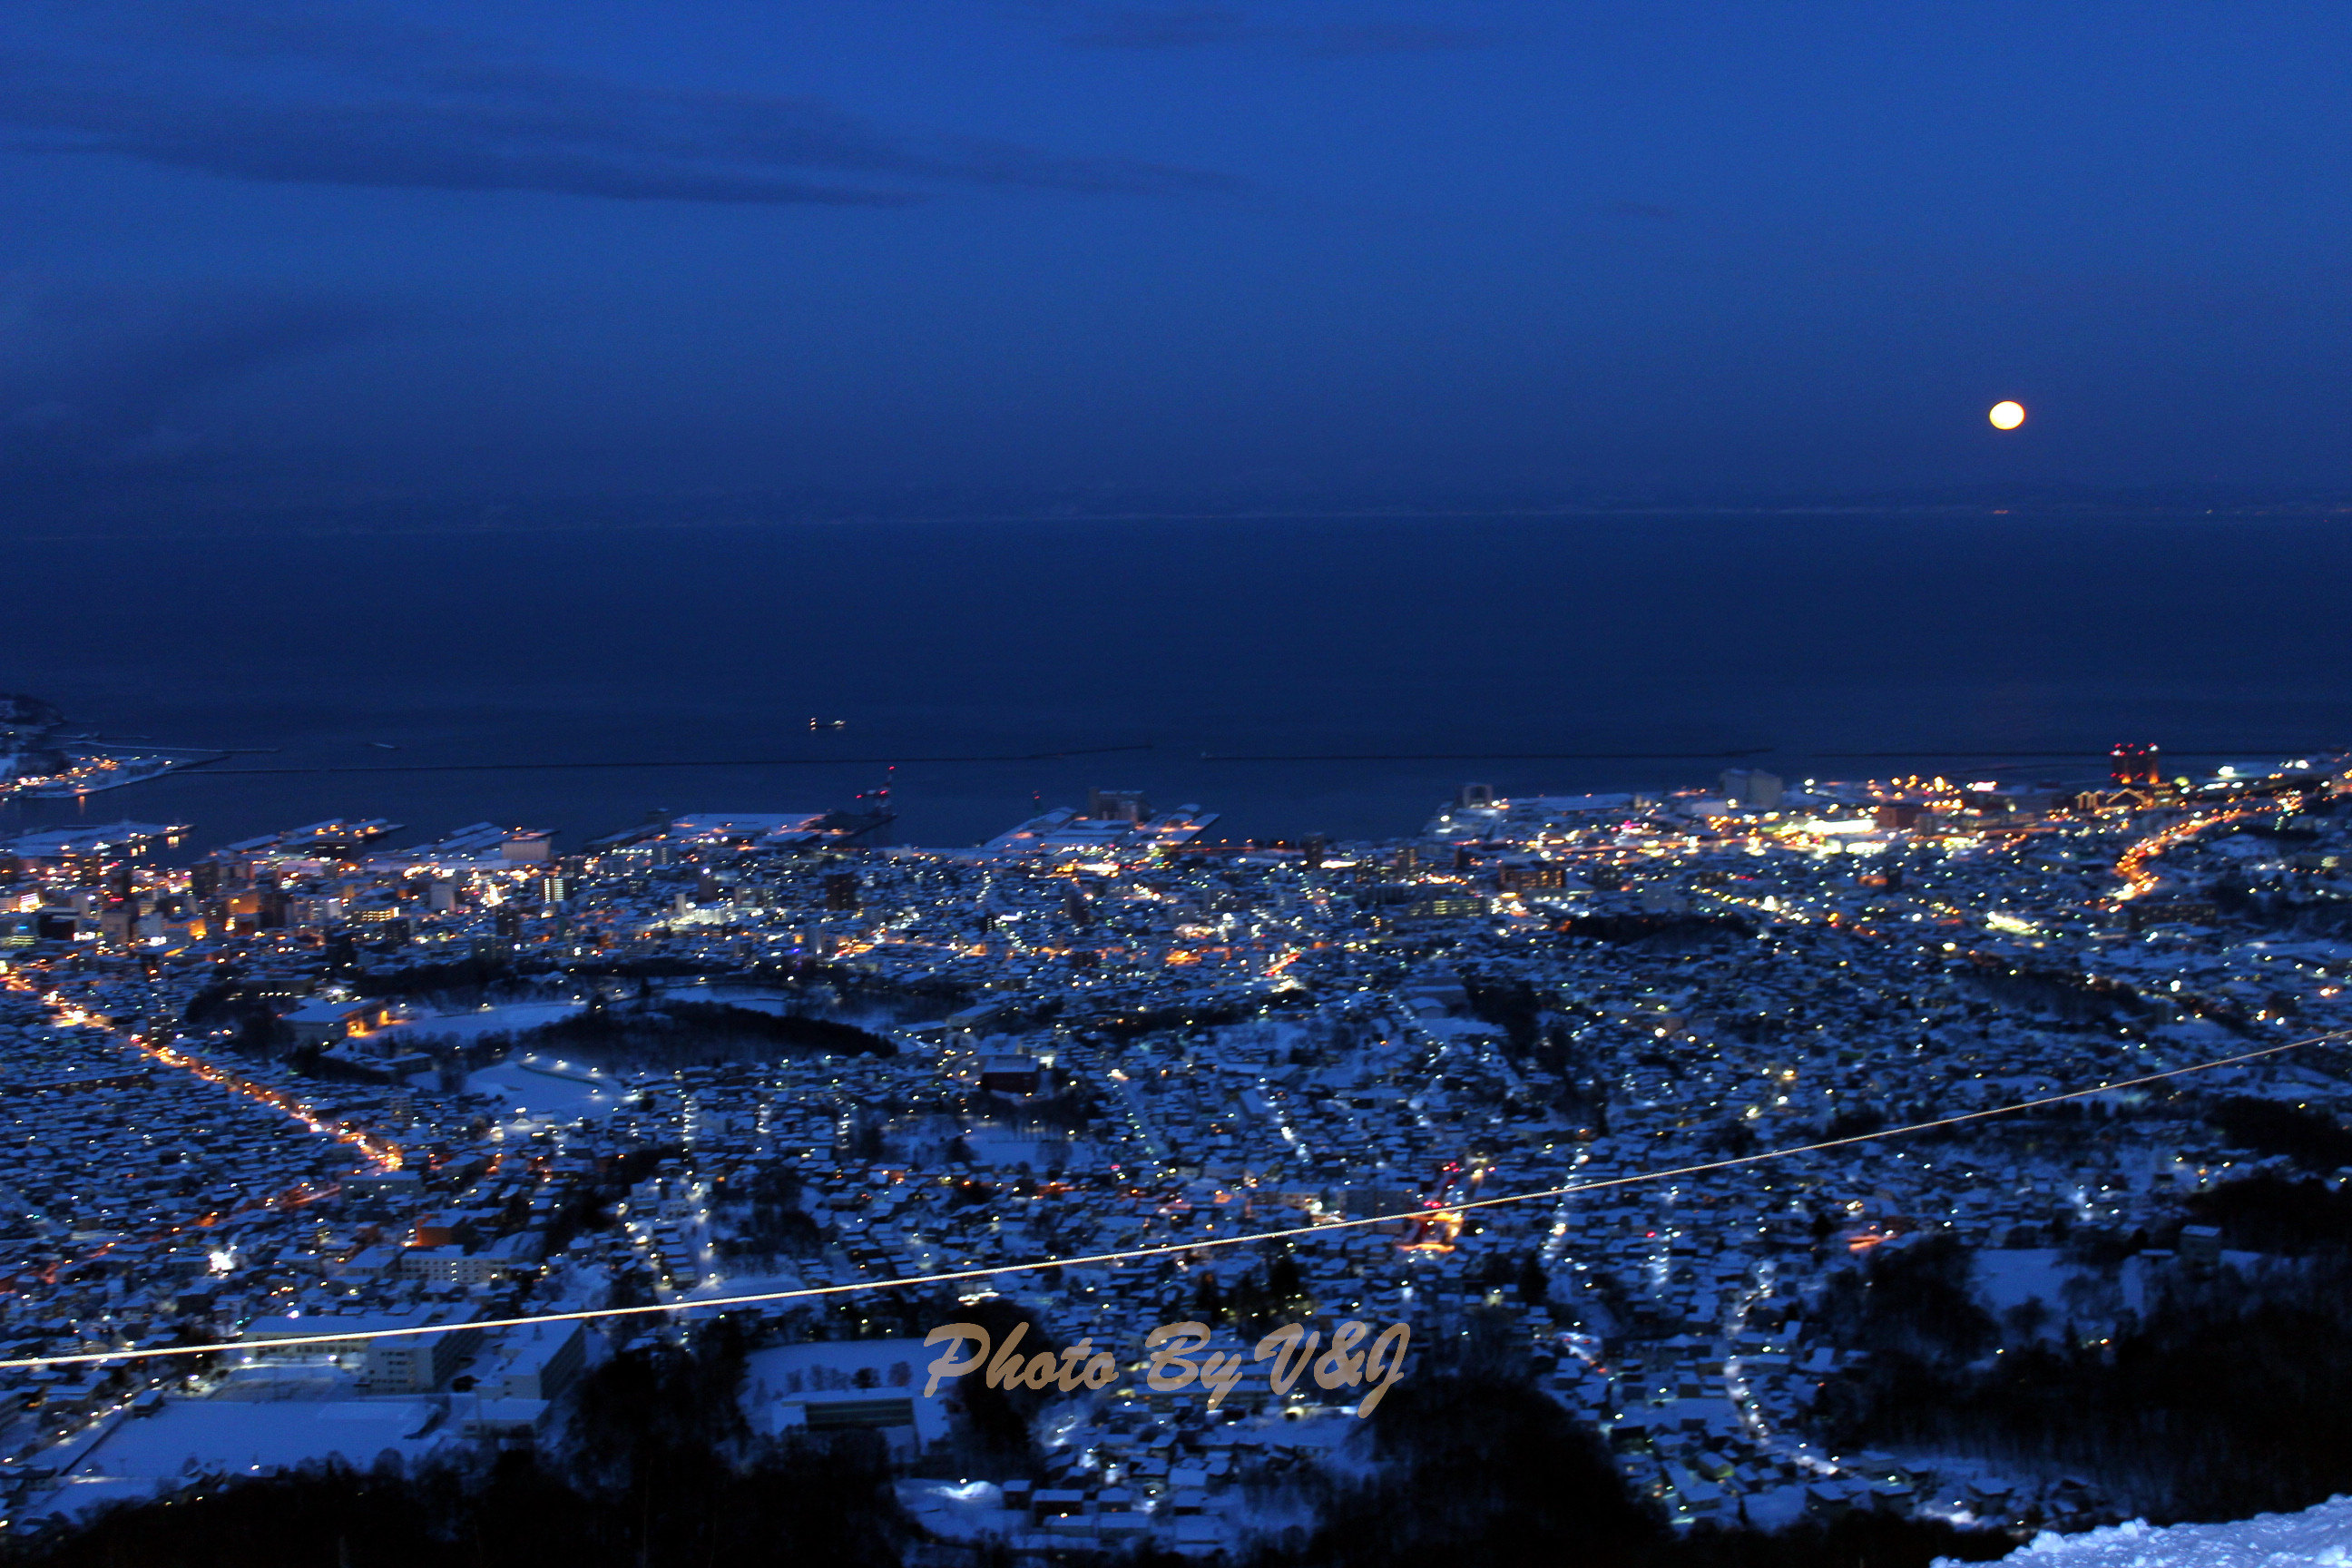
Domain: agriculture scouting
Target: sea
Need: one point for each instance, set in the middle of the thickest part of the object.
(1333, 675)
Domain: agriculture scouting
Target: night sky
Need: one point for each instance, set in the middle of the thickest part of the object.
(271, 248)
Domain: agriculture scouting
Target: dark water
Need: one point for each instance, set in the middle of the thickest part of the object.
(1806, 635)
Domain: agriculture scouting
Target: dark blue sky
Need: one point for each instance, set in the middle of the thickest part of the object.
(284, 248)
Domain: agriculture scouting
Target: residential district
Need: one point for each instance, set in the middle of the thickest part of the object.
(309, 1085)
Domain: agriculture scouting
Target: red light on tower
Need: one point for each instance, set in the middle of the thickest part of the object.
(2134, 762)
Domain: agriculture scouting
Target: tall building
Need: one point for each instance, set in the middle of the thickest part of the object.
(1752, 788)
(2134, 763)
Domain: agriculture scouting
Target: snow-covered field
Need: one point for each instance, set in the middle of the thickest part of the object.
(189, 1438)
(542, 1088)
(476, 1022)
(2318, 1537)
(998, 1151)
(2008, 1276)
(535, 1084)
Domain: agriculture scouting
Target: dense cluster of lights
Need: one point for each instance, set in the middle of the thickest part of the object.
(2132, 866)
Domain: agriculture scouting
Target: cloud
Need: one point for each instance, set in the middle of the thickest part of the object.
(1205, 26)
(91, 376)
(327, 96)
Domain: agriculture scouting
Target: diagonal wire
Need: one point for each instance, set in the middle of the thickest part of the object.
(1169, 1249)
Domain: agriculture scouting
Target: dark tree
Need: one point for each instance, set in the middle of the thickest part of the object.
(1534, 1284)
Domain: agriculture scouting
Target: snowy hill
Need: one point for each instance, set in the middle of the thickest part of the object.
(2319, 1537)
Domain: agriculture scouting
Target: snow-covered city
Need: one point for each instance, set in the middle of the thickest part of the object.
(1796, 1146)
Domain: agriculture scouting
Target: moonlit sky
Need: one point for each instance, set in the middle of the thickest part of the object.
(278, 249)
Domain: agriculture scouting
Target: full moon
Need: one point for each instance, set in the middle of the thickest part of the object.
(2007, 415)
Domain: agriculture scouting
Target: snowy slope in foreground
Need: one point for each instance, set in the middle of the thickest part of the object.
(2317, 1537)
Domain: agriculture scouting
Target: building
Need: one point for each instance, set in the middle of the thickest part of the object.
(1444, 906)
(2134, 763)
(411, 1363)
(2200, 1245)
(537, 1362)
(502, 1420)
(836, 1385)
(325, 1023)
(1008, 1075)
(2142, 913)
(450, 1265)
(527, 847)
(261, 1335)
(1065, 831)
(399, 1187)
(1117, 806)
(1752, 789)
(415, 1364)
(1523, 874)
